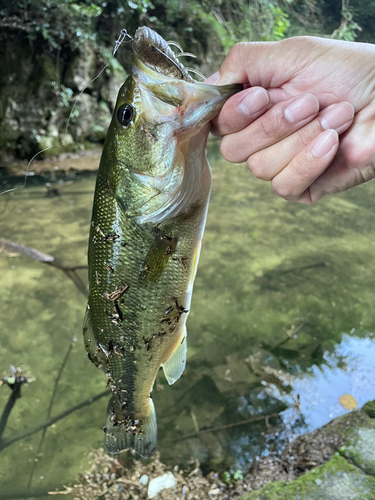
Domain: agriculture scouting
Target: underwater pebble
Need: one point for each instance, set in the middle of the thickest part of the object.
(144, 479)
(161, 483)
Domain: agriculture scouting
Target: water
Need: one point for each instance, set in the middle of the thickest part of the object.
(267, 267)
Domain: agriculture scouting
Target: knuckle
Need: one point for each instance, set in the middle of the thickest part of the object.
(364, 174)
(309, 132)
(236, 51)
(228, 150)
(357, 157)
(258, 167)
(273, 125)
(283, 190)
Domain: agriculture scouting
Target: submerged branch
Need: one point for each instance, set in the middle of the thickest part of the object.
(50, 406)
(70, 271)
(34, 493)
(290, 335)
(28, 432)
(197, 433)
(15, 381)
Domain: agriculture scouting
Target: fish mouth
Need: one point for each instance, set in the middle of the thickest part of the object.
(156, 53)
(194, 102)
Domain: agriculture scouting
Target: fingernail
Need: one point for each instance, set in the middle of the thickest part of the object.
(254, 101)
(213, 79)
(337, 115)
(301, 108)
(324, 143)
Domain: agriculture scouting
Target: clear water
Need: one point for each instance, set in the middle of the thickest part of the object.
(267, 266)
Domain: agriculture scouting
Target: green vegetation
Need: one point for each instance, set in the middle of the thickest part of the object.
(52, 49)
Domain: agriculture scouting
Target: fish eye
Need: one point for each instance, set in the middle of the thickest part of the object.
(125, 114)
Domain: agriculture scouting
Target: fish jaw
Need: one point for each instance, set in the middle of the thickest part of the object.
(179, 112)
(190, 105)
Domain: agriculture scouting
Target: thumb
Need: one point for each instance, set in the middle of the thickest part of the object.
(261, 64)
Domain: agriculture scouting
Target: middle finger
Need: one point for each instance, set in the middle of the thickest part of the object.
(278, 122)
(267, 163)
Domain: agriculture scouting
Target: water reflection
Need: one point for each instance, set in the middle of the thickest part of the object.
(277, 286)
(350, 369)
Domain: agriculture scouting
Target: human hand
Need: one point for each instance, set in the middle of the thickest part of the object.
(316, 90)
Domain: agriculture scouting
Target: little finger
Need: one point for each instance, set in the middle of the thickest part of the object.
(292, 182)
(269, 162)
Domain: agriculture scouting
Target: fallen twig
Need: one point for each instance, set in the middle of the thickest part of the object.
(34, 493)
(227, 426)
(49, 410)
(28, 432)
(15, 381)
(70, 271)
(290, 335)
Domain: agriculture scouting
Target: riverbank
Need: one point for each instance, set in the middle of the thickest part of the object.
(335, 462)
(83, 161)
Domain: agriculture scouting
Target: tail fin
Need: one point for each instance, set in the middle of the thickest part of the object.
(124, 431)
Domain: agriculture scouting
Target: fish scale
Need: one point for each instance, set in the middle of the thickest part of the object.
(149, 212)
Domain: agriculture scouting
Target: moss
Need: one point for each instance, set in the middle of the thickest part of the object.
(48, 68)
(57, 145)
(361, 449)
(369, 409)
(327, 481)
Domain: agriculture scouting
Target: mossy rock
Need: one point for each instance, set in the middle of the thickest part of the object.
(335, 480)
(369, 409)
(361, 449)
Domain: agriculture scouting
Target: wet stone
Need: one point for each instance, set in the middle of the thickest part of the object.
(361, 449)
(335, 480)
(369, 409)
(161, 483)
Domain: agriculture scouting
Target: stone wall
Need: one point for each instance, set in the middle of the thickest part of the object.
(38, 89)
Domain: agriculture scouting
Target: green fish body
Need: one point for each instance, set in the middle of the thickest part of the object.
(148, 218)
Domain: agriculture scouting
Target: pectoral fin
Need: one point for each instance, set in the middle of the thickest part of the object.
(94, 353)
(175, 365)
(157, 259)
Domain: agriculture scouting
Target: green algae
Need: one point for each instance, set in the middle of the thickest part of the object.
(360, 448)
(335, 480)
(369, 409)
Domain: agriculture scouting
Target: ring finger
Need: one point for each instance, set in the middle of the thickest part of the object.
(267, 163)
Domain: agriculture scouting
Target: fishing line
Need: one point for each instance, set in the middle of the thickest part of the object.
(120, 40)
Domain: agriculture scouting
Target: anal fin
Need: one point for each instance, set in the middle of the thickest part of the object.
(175, 365)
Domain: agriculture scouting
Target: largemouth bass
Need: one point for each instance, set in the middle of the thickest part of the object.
(148, 218)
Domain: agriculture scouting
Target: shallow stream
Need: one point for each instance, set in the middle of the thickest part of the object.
(281, 326)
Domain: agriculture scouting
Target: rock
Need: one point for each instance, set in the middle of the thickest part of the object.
(143, 479)
(109, 89)
(369, 409)
(161, 483)
(90, 119)
(81, 70)
(335, 480)
(55, 145)
(361, 449)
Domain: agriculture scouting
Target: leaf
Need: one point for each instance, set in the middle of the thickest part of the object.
(348, 402)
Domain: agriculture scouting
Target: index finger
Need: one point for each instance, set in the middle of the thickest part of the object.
(241, 110)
